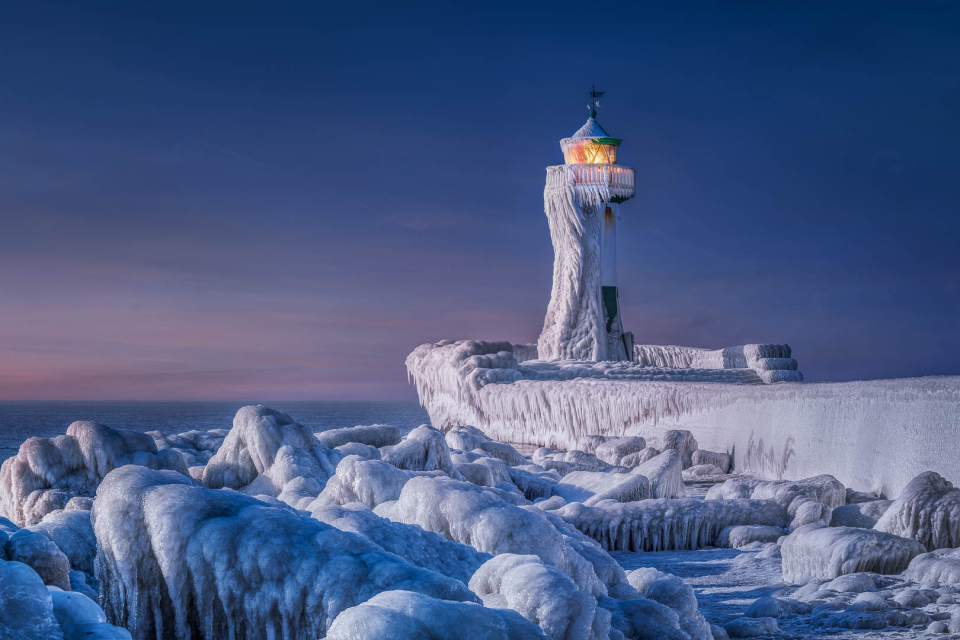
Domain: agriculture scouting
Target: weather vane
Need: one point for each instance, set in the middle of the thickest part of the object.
(594, 100)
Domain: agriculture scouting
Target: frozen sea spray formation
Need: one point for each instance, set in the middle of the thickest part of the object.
(268, 453)
(47, 472)
(927, 510)
(176, 560)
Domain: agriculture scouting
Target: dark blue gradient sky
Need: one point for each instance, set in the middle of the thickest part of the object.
(274, 201)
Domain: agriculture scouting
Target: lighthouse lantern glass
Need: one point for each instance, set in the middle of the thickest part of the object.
(590, 151)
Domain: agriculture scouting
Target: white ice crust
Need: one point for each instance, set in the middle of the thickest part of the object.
(927, 510)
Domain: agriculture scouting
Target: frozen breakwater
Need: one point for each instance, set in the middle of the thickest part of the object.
(875, 434)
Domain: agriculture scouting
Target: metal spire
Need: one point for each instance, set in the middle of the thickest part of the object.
(594, 100)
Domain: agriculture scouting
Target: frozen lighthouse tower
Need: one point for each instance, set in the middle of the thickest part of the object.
(582, 200)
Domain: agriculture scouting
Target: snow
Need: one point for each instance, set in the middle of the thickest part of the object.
(375, 435)
(413, 616)
(179, 560)
(819, 551)
(47, 472)
(664, 473)
(590, 487)
(268, 453)
(369, 482)
(543, 594)
(942, 566)
(927, 510)
(615, 449)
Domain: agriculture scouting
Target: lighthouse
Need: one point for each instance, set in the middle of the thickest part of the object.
(582, 199)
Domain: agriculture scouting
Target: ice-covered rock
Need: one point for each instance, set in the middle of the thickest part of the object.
(751, 627)
(543, 594)
(671, 591)
(504, 452)
(365, 451)
(927, 510)
(701, 471)
(268, 453)
(374, 435)
(475, 473)
(81, 618)
(369, 482)
(423, 548)
(613, 450)
(533, 484)
(414, 616)
(38, 551)
(564, 462)
(465, 438)
(47, 472)
(72, 532)
(423, 449)
(590, 487)
(739, 536)
(26, 609)
(481, 518)
(765, 607)
(819, 551)
(860, 514)
(667, 525)
(719, 460)
(638, 458)
(682, 441)
(808, 501)
(177, 560)
(591, 442)
(665, 474)
(196, 447)
(941, 566)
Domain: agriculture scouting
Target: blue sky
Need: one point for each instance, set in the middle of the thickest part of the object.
(227, 201)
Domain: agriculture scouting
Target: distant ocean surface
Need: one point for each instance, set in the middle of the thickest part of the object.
(21, 420)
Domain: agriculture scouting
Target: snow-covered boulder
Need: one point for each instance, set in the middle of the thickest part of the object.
(268, 453)
(564, 462)
(81, 618)
(39, 552)
(414, 616)
(927, 510)
(683, 442)
(667, 525)
(374, 435)
(701, 472)
(739, 536)
(533, 484)
(72, 532)
(196, 447)
(465, 438)
(808, 501)
(745, 627)
(671, 591)
(665, 474)
(543, 594)
(26, 609)
(481, 518)
(155, 528)
(638, 458)
(615, 449)
(503, 451)
(819, 551)
(941, 566)
(423, 548)
(719, 460)
(590, 487)
(590, 443)
(369, 482)
(365, 451)
(423, 449)
(861, 514)
(47, 472)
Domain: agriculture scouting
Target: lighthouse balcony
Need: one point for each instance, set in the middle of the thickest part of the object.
(613, 179)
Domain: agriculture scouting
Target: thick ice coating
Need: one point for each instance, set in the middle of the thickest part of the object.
(47, 472)
(72, 532)
(39, 552)
(414, 616)
(808, 501)
(665, 473)
(196, 447)
(819, 551)
(176, 560)
(613, 450)
(927, 510)
(479, 517)
(26, 609)
(941, 566)
(720, 460)
(590, 487)
(671, 591)
(369, 482)
(268, 453)
(374, 435)
(423, 449)
(423, 548)
(543, 594)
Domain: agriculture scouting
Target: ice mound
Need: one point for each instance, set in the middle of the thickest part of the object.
(590, 487)
(47, 472)
(72, 532)
(942, 566)
(861, 514)
(177, 560)
(564, 462)
(543, 594)
(702, 472)
(465, 438)
(745, 627)
(737, 537)
(268, 453)
(927, 510)
(481, 518)
(414, 616)
(423, 548)
(682, 441)
(638, 458)
(533, 484)
(671, 591)
(423, 449)
(374, 435)
(590, 443)
(722, 461)
(665, 474)
(196, 447)
(613, 450)
(365, 451)
(808, 501)
(668, 525)
(369, 482)
(819, 551)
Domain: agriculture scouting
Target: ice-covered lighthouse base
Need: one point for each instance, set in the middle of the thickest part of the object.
(871, 434)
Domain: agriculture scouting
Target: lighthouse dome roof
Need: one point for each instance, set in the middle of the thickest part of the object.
(591, 129)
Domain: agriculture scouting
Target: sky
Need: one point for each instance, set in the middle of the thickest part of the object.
(275, 200)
